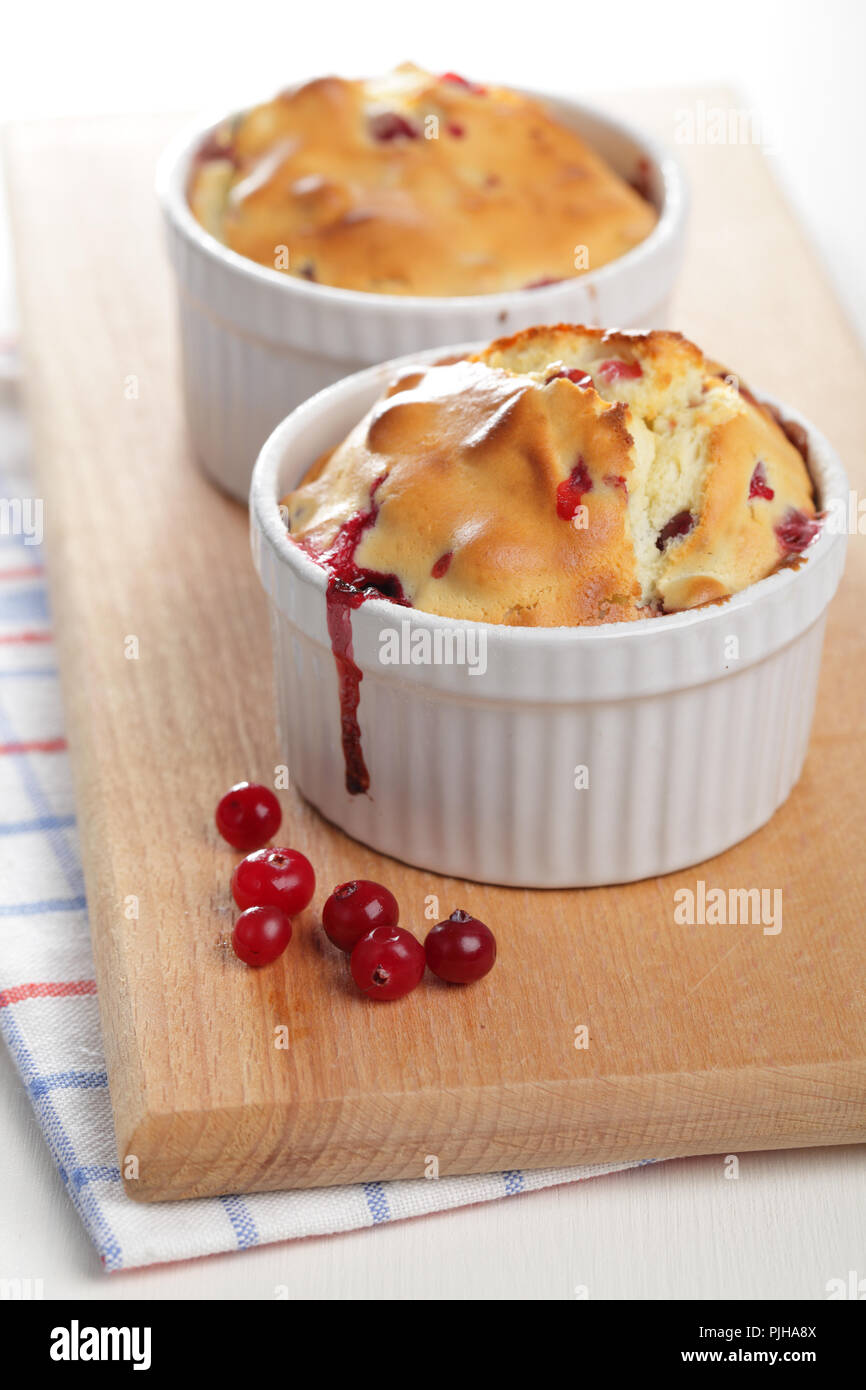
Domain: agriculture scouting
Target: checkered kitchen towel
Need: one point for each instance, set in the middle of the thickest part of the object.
(48, 1007)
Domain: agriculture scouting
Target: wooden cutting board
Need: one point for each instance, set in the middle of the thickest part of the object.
(702, 1039)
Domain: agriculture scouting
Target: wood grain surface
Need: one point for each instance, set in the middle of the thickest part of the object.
(702, 1039)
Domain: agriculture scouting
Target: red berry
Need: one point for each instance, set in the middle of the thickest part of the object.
(261, 934)
(390, 125)
(274, 877)
(614, 369)
(569, 495)
(460, 950)
(679, 525)
(387, 963)
(440, 567)
(458, 81)
(758, 485)
(575, 374)
(355, 908)
(796, 530)
(248, 815)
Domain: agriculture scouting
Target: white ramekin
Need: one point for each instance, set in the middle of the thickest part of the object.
(255, 343)
(692, 728)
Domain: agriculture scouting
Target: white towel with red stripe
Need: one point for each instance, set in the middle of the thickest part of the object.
(48, 1008)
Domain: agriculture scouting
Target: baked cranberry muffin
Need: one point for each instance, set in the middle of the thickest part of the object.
(562, 476)
(412, 184)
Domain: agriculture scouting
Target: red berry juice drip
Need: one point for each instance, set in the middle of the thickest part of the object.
(349, 586)
(340, 600)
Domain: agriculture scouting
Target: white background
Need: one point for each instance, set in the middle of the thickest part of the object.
(791, 1221)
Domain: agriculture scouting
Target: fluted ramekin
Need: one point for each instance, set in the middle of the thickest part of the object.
(688, 730)
(255, 342)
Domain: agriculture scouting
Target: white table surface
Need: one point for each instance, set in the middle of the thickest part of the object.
(791, 1221)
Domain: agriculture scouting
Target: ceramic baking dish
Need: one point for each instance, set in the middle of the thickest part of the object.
(255, 343)
(578, 755)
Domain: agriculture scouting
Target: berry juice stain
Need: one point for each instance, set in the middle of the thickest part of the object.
(350, 585)
(341, 598)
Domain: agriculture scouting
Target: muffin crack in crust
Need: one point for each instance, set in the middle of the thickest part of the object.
(570, 476)
(413, 184)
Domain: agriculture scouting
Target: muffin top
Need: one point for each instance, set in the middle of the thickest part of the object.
(562, 476)
(413, 185)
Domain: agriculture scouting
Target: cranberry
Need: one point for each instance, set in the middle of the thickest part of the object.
(248, 815)
(614, 369)
(796, 530)
(460, 950)
(758, 486)
(575, 374)
(616, 480)
(274, 878)
(570, 493)
(261, 934)
(390, 125)
(458, 81)
(679, 525)
(440, 567)
(387, 963)
(355, 908)
(543, 282)
(456, 130)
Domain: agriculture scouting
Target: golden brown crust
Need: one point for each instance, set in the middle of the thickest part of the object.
(562, 476)
(472, 459)
(414, 184)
